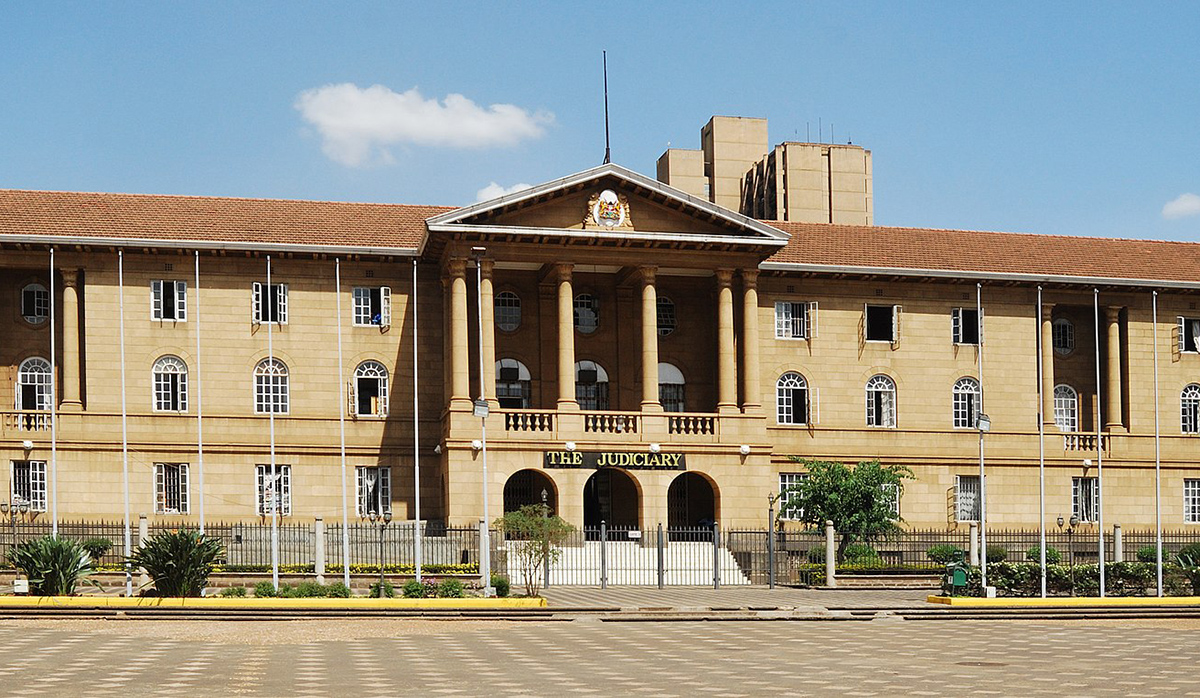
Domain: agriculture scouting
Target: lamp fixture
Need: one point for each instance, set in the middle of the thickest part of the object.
(655, 448)
(570, 445)
(744, 449)
(27, 445)
(476, 445)
(984, 422)
(438, 449)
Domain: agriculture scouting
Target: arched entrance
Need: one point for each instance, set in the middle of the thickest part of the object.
(691, 502)
(525, 487)
(611, 495)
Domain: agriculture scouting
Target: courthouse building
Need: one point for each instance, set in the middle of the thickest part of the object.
(652, 351)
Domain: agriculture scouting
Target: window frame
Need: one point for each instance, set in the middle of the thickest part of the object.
(279, 375)
(601, 397)
(1079, 483)
(594, 307)
(523, 384)
(163, 489)
(158, 297)
(1064, 328)
(679, 387)
(32, 485)
(779, 399)
(363, 299)
(1060, 407)
(383, 492)
(873, 397)
(281, 303)
(283, 473)
(966, 490)
(1189, 409)
(664, 308)
(788, 511)
(44, 389)
(158, 384)
(795, 320)
(41, 302)
(381, 376)
(508, 304)
(960, 394)
(895, 323)
(1191, 500)
(958, 324)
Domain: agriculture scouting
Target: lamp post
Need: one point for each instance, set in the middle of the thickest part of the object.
(481, 411)
(984, 424)
(383, 520)
(545, 539)
(1070, 545)
(12, 509)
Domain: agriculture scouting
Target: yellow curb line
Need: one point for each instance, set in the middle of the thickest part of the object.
(139, 602)
(1065, 602)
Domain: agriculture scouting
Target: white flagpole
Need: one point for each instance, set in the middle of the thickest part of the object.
(53, 406)
(1041, 444)
(418, 530)
(124, 420)
(272, 402)
(337, 275)
(1157, 459)
(199, 397)
(1099, 439)
(982, 481)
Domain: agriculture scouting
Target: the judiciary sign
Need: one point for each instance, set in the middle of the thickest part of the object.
(618, 459)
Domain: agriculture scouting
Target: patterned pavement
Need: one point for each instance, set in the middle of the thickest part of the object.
(586, 657)
(732, 597)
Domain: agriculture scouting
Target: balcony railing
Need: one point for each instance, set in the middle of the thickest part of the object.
(611, 422)
(1083, 442)
(528, 420)
(27, 421)
(691, 424)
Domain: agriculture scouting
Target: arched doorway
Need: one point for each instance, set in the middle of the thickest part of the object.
(611, 495)
(691, 502)
(525, 487)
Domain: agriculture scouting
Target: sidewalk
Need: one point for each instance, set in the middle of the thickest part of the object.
(752, 597)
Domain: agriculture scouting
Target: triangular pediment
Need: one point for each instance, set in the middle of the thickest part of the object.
(609, 201)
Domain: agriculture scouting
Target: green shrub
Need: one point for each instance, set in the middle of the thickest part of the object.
(1034, 554)
(265, 590)
(945, 553)
(233, 592)
(286, 591)
(310, 590)
(337, 590)
(1191, 569)
(54, 566)
(178, 562)
(1191, 551)
(1147, 553)
(450, 589)
(996, 553)
(413, 589)
(97, 547)
(500, 584)
(389, 591)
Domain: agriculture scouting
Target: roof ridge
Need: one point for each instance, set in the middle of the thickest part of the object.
(224, 198)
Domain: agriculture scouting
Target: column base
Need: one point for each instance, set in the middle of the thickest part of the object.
(652, 406)
(1115, 429)
(461, 404)
(752, 409)
(727, 408)
(70, 406)
(567, 406)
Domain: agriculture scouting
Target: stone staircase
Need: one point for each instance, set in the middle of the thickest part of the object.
(634, 563)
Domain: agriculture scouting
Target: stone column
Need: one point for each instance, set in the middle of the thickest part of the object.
(1047, 364)
(726, 356)
(566, 338)
(1112, 403)
(751, 390)
(650, 400)
(70, 333)
(487, 308)
(460, 358)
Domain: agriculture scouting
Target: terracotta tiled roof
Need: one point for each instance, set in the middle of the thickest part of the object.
(212, 219)
(988, 252)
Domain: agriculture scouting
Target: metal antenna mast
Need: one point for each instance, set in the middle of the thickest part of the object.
(607, 150)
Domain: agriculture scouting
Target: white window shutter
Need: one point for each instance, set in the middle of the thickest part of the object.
(1177, 339)
(361, 488)
(385, 489)
(156, 300)
(811, 323)
(816, 416)
(256, 303)
(181, 300)
(282, 296)
(897, 310)
(385, 306)
(980, 325)
(862, 326)
(381, 404)
(351, 404)
(783, 322)
(956, 325)
(184, 504)
(285, 489)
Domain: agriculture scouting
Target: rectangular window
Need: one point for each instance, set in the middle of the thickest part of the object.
(964, 325)
(1188, 334)
(795, 320)
(35, 303)
(881, 323)
(1191, 500)
(1085, 498)
(892, 492)
(168, 300)
(789, 511)
(29, 483)
(270, 303)
(170, 488)
(373, 306)
(374, 490)
(273, 494)
(966, 497)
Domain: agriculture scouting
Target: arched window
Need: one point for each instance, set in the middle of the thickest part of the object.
(508, 311)
(33, 384)
(369, 393)
(671, 388)
(1189, 409)
(1066, 408)
(35, 304)
(881, 402)
(591, 386)
(791, 399)
(666, 316)
(170, 384)
(966, 403)
(512, 384)
(1064, 336)
(587, 313)
(271, 392)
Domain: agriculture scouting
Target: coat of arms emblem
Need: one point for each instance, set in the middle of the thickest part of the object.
(608, 209)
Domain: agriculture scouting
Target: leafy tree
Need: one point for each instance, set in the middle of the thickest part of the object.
(536, 537)
(859, 500)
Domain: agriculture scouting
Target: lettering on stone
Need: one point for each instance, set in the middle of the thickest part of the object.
(595, 460)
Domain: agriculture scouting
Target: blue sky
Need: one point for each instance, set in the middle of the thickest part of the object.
(1078, 120)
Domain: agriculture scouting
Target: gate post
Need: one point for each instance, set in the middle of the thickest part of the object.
(603, 555)
(1118, 544)
(973, 543)
(660, 556)
(716, 555)
(830, 556)
(319, 552)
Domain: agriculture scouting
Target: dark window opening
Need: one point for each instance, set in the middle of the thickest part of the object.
(880, 323)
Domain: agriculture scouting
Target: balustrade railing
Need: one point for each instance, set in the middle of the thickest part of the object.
(691, 424)
(27, 421)
(610, 423)
(528, 420)
(1083, 442)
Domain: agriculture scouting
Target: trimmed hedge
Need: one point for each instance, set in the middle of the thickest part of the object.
(1121, 579)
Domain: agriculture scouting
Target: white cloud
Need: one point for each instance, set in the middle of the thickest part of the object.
(357, 124)
(1182, 206)
(494, 190)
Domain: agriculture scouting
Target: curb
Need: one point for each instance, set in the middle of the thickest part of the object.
(1065, 602)
(26, 602)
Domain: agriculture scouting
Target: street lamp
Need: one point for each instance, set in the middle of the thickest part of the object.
(383, 521)
(1070, 545)
(12, 509)
(984, 424)
(481, 411)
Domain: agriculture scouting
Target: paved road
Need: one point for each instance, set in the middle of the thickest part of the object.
(435, 658)
(733, 597)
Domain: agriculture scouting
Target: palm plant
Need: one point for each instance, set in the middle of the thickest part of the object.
(178, 562)
(54, 566)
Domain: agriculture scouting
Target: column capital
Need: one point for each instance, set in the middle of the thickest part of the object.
(70, 278)
(487, 265)
(648, 273)
(1047, 311)
(562, 270)
(456, 267)
(1112, 312)
(724, 277)
(749, 278)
